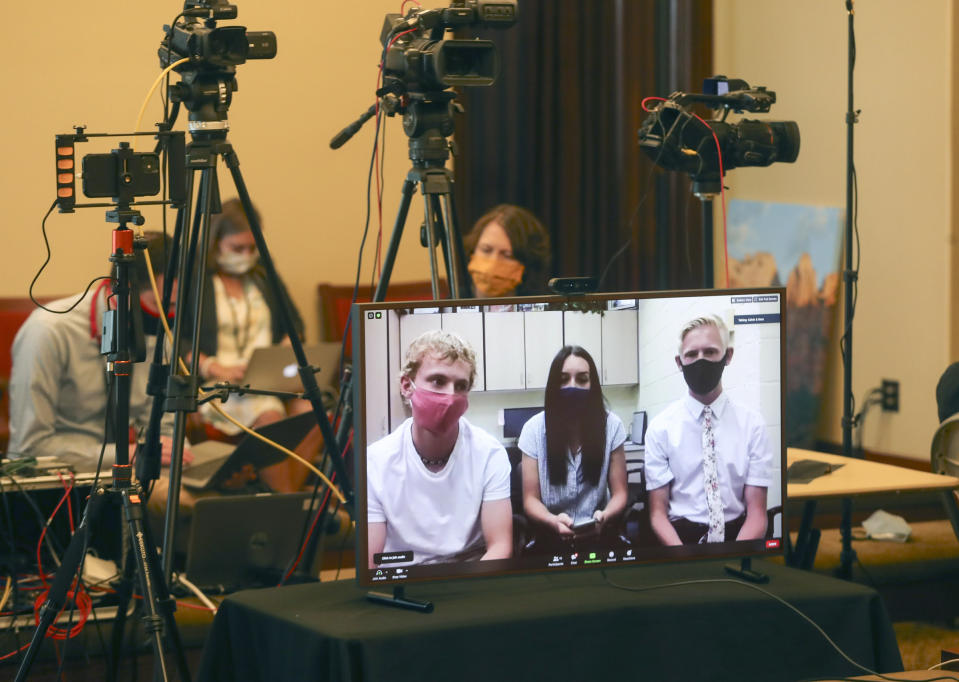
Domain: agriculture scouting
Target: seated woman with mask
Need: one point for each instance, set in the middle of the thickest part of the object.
(574, 461)
(240, 312)
(509, 253)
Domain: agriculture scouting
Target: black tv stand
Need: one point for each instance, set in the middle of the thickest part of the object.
(745, 571)
(400, 600)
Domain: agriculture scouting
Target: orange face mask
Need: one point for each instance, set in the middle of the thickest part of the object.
(495, 276)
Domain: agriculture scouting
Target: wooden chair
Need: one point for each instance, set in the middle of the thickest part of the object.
(335, 301)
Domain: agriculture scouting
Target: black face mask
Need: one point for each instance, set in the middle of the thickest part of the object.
(703, 375)
(573, 400)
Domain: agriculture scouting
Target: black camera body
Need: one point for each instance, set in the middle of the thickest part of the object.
(417, 57)
(677, 139)
(216, 46)
(121, 174)
(205, 44)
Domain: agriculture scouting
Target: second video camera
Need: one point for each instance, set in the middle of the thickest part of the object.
(419, 59)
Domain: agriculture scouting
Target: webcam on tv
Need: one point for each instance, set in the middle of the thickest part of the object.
(569, 286)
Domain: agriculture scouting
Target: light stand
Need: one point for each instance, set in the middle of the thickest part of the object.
(706, 190)
(847, 554)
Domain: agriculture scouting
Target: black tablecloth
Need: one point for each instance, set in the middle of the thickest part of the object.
(556, 627)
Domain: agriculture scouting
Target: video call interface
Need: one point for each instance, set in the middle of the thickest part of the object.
(500, 475)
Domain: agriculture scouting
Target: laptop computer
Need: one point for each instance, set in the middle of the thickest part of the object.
(274, 368)
(239, 541)
(215, 461)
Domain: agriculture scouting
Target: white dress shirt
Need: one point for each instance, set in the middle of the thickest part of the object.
(674, 455)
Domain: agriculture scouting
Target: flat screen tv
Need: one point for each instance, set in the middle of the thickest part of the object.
(450, 486)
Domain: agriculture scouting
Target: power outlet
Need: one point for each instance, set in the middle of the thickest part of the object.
(890, 395)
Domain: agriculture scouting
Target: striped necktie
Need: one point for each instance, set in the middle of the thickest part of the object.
(714, 502)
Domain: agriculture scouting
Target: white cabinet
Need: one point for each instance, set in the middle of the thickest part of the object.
(412, 326)
(469, 326)
(620, 348)
(376, 367)
(544, 329)
(610, 338)
(585, 329)
(504, 343)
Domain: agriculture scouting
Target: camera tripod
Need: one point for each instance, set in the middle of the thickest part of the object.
(428, 121)
(121, 324)
(182, 387)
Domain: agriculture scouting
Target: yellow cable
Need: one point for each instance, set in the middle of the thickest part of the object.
(186, 370)
(6, 592)
(153, 88)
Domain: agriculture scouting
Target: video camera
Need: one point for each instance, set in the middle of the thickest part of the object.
(418, 59)
(207, 45)
(677, 139)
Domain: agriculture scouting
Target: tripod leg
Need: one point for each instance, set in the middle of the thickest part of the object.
(460, 285)
(430, 213)
(69, 566)
(158, 617)
(409, 187)
(182, 389)
(124, 594)
(307, 376)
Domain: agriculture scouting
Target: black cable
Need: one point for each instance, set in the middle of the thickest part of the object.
(46, 244)
(810, 621)
(642, 200)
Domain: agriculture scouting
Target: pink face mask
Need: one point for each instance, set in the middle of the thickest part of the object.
(437, 412)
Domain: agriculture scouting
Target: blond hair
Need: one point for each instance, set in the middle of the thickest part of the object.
(442, 345)
(711, 320)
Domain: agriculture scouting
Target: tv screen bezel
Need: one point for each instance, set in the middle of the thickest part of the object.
(763, 548)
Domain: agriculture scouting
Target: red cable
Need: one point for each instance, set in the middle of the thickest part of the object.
(722, 189)
(648, 99)
(403, 6)
(722, 192)
(349, 441)
(376, 156)
(69, 501)
(83, 604)
(14, 652)
(43, 534)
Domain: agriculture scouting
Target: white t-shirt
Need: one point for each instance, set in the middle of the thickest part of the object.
(674, 453)
(434, 515)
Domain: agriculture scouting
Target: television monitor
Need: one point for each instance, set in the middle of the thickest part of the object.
(515, 418)
(420, 521)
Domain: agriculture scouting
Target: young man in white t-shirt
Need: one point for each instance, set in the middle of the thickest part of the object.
(438, 488)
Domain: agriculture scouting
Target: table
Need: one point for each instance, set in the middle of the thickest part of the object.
(556, 626)
(862, 477)
(856, 477)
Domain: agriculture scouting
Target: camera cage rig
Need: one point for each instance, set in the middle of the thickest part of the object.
(130, 171)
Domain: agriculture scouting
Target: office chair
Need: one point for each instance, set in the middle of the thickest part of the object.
(945, 460)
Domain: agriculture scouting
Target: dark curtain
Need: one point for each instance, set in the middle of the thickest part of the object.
(557, 134)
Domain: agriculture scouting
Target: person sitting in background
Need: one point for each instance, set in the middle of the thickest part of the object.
(508, 251)
(574, 460)
(58, 385)
(240, 312)
(707, 455)
(438, 487)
